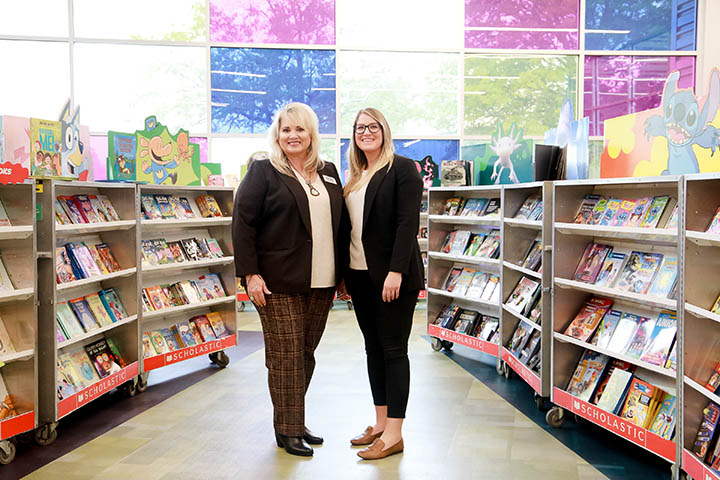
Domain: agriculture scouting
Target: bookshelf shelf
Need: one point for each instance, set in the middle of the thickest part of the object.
(89, 281)
(701, 389)
(696, 468)
(460, 220)
(483, 261)
(158, 361)
(166, 312)
(474, 301)
(97, 331)
(522, 318)
(149, 225)
(641, 235)
(168, 267)
(647, 300)
(16, 425)
(530, 377)
(462, 339)
(20, 232)
(701, 312)
(703, 239)
(531, 224)
(21, 355)
(525, 271)
(423, 243)
(17, 294)
(62, 231)
(96, 390)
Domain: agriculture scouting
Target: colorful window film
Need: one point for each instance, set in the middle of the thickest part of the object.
(616, 86)
(310, 22)
(417, 92)
(522, 24)
(114, 96)
(640, 24)
(529, 90)
(250, 84)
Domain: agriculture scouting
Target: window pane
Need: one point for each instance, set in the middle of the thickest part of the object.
(616, 86)
(170, 20)
(47, 18)
(520, 24)
(425, 24)
(523, 89)
(250, 84)
(113, 99)
(44, 89)
(417, 92)
(640, 24)
(273, 21)
(596, 149)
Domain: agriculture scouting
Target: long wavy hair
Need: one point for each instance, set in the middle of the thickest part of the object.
(357, 159)
(305, 116)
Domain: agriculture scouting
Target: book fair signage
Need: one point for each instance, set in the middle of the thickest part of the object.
(17, 425)
(175, 356)
(521, 369)
(97, 389)
(697, 469)
(466, 340)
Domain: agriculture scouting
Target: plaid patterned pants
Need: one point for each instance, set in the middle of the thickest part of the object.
(292, 327)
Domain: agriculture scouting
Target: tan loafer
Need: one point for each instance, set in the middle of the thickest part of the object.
(375, 451)
(366, 438)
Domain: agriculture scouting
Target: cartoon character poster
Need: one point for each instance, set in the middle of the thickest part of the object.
(75, 160)
(15, 158)
(166, 159)
(679, 137)
(507, 159)
(122, 148)
(45, 148)
(575, 135)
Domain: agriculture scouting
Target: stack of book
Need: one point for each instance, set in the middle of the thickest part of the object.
(644, 212)
(188, 333)
(636, 272)
(531, 209)
(76, 260)
(649, 339)
(84, 314)
(472, 244)
(472, 207)
(81, 368)
(525, 345)
(468, 322)
(78, 209)
(471, 283)
(160, 206)
(612, 385)
(186, 292)
(160, 252)
(524, 297)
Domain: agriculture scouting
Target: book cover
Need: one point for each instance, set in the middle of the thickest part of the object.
(638, 400)
(109, 209)
(112, 303)
(622, 217)
(447, 244)
(170, 339)
(641, 337)
(63, 268)
(71, 209)
(65, 388)
(614, 363)
(148, 347)
(519, 337)
(45, 148)
(107, 257)
(204, 249)
(587, 319)
(521, 295)
(61, 216)
(161, 250)
(533, 258)
(190, 291)
(605, 330)
(116, 352)
(532, 346)
(664, 422)
(611, 267)
(149, 208)
(83, 314)
(102, 358)
(68, 320)
(466, 321)
(72, 373)
(83, 365)
(196, 333)
(536, 312)
(177, 337)
(98, 309)
(490, 326)
(98, 261)
(461, 285)
(167, 210)
(203, 325)
(490, 247)
(706, 432)
(714, 226)
(613, 396)
(527, 207)
(641, 207)
(469, 207)
(460, 242)
(158, 342)
(452, 278)
(208, 206)
(186, 207)
(122, 161)
(672, 222)
(613, 205)
(80, 253)
(148, 251)
(452, 206)
(491, 288)
(654, 213)
(157, 297)
(191, 249)
(661, 339)
(217, 251)
(624, 332)
(99, 208)
(480, 207)
(665, 278)
(86, 209)
(598, 211)
(639, 272)
(591, 262)
(584, 213)
(185, 333)
(448, 316)
(477, 285)
(536, 213)
(587, 375)
(220, 330)
(176, 251)
(492, 209)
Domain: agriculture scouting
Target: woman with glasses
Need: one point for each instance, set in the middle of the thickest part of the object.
(286, 230)
(385, 271)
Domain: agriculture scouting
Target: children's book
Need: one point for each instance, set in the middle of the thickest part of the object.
(122, 162)
(673, 220)
(521, 295)
(452, 206)
(150, 209)
(83, 313)
(203, 325)
(148, 347)
(460, 242)
(665, 278)
(183, 329)
(452, 278)
(490, 247)
(492, 209)
(102, 358)
(611, 267)
(109, 209)
(533, 258)
(532, 346)
(218, 326)
(491, 288)
(63, 267)
(637, 405)
(98, 261)
(79, 252)
(587, 319)
(613, 396)
(176, 251)
(112, 303)
(208, 206)
(641, 338)
(476, 239)
(664, 422)
(107, 257)
(72, 373)
(99, 208)
(448, 242)
(613, 205)
(490, 326)
(461, 286)
(477, 285)
(622, 217)
(598, 211)
(148, 251)
(86, 209)
(98, 309)
(641, 207)
(61, 216)
(661, 339)
(217, 252)
(614, 363)
(587, 375)
(706, 432)
(606, 328)
(116, 352)
(671, 361)
(162, 251)
(84, 367)
(45, 148)
(157, 297)
(536, 213)
(71, 209)
(591, 262)
(467, 321)
(167, 210)
(158, 342)
(624, 332)
(170, 339)
(192, 251)
(186, 207)
(527, 207)
(469, 207)
(654, 213)
(480, 207)
(448, 316)
(68, 320)
(584, 214)
(520, 337)
(639, 272)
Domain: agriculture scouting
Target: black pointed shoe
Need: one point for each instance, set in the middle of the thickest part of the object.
(294, 445)
(311, 438)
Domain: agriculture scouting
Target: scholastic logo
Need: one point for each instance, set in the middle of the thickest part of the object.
(611, 422)
(207, 347)
(102, 386)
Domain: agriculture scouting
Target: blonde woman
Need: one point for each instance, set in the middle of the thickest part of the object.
(286, 229)
(385, 271)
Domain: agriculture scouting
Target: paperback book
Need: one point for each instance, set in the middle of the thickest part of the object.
(587, 375)
(587, 319)
(591, 262)
(639, 272)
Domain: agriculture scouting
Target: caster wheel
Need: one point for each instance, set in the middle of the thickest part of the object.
(220, 359)
(7, 452)
(241, 306)
(436, 344)
(539, 402)
(580, 420)
(45, 435)
(350, 305)
(508, 372)
(130, 388)
(142, 381)
(555, 417)
(500, 368)
(447, 345)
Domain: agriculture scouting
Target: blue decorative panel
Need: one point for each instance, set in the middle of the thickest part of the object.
(640, 24)
(250, 84)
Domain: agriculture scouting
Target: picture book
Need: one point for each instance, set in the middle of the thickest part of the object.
(624, 332)
(519, 337)
(217, 252)
(639, 272)
(208, 206)
(706, 432)
(158, 342)
(469, 207)
(61, 217)
(461, 285)
(533, 258)
(598, 211)
(116, 352)
(162, 251)
(637, 405)
(45, 148)
(65, 388)
(587, 319)
(203, 325)
(532, 346)
(71, 371)
(99, 208)
(661, 339)
(665, 278)
(626, 210)
(489, 327)
(186, 207)
(641, 207)
(109, 209)
(167, 210)
(490, 247)
(476, 240)
(148, 348)
(491, 288)
(605, 330)
(477, 285)
(591, 262)
(71, 209)
(157, 297)
(80, 253)
(641, 337)
(98, 310)
(613, 205)
(654, 213)
(452, 278)
(204, 249)
(218, 326)
(149, 208)
(611, 267)
(614, 363)
(449, 239)
(584, 214)
(613, 396)
(122, 161)
(180, 342)
(83, 365)
(672, 222)
(107, 257)
(83, 313)
(521, 295)
(190, 291)
(191, 249)
(459, 243)
(492, 209)
(664, 422)
(61, 335)
(86, 209)
(536, 213)
(68, 320)
(6, 344)
(112, 303)
(587, 375)
(176, 251)
(448, 316)
(148, 251)
(98, 261)
(102, 358)
(63, 268)
(172, 342)
(527, 207)
(183, 329)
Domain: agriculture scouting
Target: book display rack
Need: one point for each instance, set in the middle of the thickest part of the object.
(18, 315)
(617, 273)
(526, 282)
(464, 268)
(188, 286)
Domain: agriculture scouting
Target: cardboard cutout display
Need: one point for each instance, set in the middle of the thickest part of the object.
(75, 162)
(575, 135)
(15, 155)
(507, 159)
(211, 174)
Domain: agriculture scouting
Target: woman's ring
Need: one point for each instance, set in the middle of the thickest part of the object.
(252, 299)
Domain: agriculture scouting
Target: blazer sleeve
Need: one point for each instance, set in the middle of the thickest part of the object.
(408, 196)
(247, 214)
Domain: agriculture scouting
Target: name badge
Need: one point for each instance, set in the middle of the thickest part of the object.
(329, 179)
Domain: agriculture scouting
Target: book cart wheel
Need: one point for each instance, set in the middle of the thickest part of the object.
(142, 381)
(350, 305)
(500, 367)
(508, 372)
(447, 345)
(555, 417)
(130, 388)
(436, 344)
(539, 401)
(241, 307)
(7, 452)
(219, 358)
(46, 434)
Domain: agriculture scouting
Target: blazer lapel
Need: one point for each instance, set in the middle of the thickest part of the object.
(300, 198)
(336, 197)
(371, 191)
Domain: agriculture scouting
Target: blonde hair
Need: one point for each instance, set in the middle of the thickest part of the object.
(357, 159)
(306, 117)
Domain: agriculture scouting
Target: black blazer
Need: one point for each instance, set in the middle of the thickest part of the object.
(271, 227)
(391, 219)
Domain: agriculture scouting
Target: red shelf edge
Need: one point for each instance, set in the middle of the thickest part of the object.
(159, 361)
(697, 469)
(619, 426)
(96, 390)
(465, 340)
(16, 425)
(521, 369)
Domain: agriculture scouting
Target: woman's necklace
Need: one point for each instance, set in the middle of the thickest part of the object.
(313, 191)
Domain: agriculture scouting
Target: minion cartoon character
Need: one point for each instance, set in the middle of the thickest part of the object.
(156, 150)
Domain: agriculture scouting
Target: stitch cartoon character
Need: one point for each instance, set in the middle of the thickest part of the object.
(684, 124)
(72, 148)
(156, 150)
(503, 148)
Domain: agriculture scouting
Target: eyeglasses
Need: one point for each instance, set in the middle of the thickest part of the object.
(372, 128)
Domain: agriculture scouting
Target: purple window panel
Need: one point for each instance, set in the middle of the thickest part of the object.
(522, 24)
(99, 152)
(616, 86)
(273, 21)
(203, 142)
